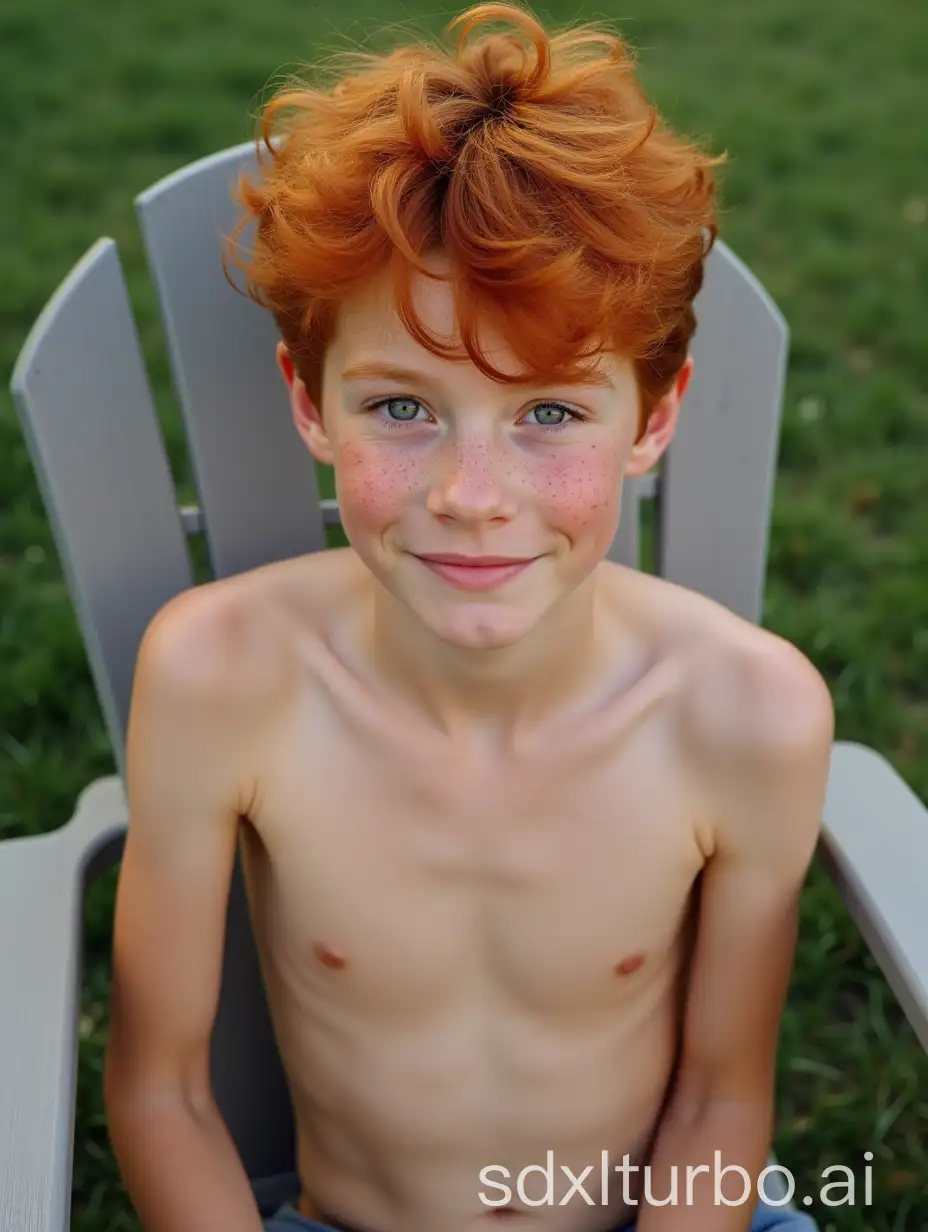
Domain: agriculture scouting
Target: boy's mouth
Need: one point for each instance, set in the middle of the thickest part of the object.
(476, 572)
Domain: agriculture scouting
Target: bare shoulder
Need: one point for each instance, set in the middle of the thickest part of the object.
(215, 640)
(753, 716)
(753, 694)
(218, 670)
(741, 686)
(756, 725)
(240, 637)
(206, 682)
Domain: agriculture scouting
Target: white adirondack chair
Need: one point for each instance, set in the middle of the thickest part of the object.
(81, 390)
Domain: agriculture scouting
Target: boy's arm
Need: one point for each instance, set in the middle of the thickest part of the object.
(194, 713)
(769, 721)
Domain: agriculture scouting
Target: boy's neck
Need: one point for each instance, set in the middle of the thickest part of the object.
(487, 698)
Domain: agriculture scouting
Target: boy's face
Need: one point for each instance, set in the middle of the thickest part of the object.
(442, 460)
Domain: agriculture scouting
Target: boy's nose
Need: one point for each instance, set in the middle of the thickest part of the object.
(471, 483)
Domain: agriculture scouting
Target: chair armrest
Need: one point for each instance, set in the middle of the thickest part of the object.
(874, 845)
(42, 883)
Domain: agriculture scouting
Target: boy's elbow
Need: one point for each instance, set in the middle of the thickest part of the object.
(130, 1085)
(125, 1089)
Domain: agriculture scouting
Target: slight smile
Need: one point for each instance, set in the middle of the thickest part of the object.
(475, 572)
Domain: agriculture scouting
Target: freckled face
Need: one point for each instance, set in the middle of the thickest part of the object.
(450, 461)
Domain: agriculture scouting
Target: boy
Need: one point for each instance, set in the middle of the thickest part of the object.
(523, 831)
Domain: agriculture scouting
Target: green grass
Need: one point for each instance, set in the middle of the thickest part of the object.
(822, 109)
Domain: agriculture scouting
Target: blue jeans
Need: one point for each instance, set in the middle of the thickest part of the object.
(766, 1219)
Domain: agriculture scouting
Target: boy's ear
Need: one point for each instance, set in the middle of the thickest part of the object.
(307, 418)
(662, 423)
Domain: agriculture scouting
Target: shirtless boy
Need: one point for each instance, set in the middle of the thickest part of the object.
(523, 831)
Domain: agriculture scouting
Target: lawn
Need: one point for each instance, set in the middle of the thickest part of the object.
(822, 109)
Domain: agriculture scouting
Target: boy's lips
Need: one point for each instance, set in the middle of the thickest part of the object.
(476, 572)
(476, 562)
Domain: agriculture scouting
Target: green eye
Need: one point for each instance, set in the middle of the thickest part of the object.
(409, 408)
(549, 408)
(562, 415)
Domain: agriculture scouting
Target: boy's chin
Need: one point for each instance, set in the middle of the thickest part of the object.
(480, 627)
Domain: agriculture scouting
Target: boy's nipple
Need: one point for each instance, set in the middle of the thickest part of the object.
(628, 965)
(329, 956)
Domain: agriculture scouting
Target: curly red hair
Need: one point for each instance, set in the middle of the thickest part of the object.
(573, 220)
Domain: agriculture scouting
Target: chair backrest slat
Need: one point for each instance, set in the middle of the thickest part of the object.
(91, 427)
(256, 480)
(90, 423)
(717, 478)
(626, 546)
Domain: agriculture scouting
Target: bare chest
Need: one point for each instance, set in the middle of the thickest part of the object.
(392, 880)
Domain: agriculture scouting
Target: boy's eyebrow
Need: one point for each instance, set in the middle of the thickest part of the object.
(372, 369)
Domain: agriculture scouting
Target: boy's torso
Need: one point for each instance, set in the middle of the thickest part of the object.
(474, 959)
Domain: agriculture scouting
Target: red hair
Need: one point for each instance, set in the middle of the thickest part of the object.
(574, 221)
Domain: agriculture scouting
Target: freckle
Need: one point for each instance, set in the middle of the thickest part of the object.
(329, 957)
(628, 965)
